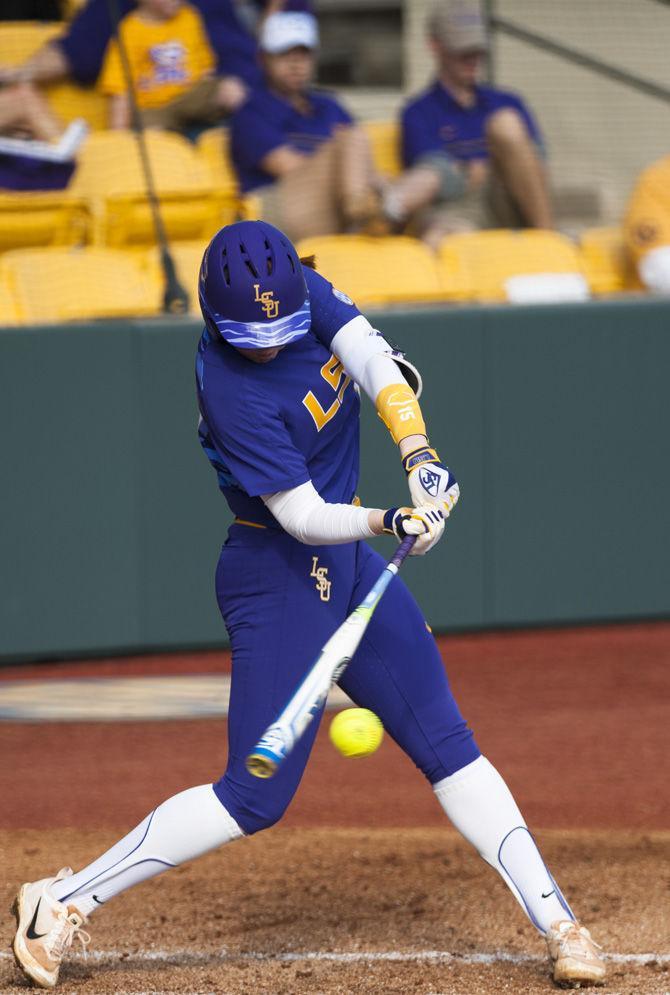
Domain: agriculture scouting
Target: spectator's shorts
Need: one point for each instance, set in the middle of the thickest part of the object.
(197, 105)
(457, 209)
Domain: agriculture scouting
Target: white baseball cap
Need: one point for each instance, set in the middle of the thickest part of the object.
(286, 30)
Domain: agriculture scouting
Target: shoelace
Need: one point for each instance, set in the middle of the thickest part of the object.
(573, 940)
(62, 935)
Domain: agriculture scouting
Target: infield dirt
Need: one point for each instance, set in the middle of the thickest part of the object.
(364, 888)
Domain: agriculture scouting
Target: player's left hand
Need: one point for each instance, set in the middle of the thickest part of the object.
(430, 481)
(426, 523)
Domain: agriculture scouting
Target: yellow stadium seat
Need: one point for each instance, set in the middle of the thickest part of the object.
(214, 146)
(607, 265)
(9, 314)
(187, 257)
(50, 218)
(21, 39)
(504, 265)
(377, 271)
(385, 140)
(51, 285)
(109, 176)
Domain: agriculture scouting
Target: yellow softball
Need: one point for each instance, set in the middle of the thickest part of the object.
(356, 732)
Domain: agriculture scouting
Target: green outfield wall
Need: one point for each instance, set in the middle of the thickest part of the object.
(555, 420)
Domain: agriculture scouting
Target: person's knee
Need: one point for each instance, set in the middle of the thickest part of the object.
(253, 811)
(506, 127)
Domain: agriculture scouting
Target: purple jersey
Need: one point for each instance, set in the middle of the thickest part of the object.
(435, 122)
(267, 122)
(272, 426)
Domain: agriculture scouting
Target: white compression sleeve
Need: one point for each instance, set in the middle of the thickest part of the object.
(369, 359)
(183, 827)
(303, 513)
(482, 808)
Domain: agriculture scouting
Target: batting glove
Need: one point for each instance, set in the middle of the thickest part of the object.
(427, 523)
(430, 481)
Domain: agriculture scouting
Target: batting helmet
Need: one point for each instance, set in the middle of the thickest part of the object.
(251, 288)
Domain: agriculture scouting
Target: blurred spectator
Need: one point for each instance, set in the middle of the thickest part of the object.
(79, 52)
(296, 146)
(171, 64)
(473, 154)
(36, 151)
(647, 226)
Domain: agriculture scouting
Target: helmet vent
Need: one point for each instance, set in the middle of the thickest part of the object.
(247, 260)
(269, 257)
(225, 267)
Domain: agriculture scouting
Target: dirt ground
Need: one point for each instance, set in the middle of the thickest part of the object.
(223, 923)
(364, 888)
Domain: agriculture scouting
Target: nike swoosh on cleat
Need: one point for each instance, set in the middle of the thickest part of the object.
(30, 932)
(96, 899)
(543, 895)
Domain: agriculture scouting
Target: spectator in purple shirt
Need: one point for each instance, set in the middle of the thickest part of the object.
(473, 154)
(297, 147)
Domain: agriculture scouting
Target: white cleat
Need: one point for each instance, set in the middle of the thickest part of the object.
(574, 955)
(45, 930)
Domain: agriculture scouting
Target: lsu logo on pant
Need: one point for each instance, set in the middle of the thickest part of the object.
(321, 576)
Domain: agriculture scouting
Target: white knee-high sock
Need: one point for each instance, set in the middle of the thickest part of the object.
(482, 808)
(183, 827)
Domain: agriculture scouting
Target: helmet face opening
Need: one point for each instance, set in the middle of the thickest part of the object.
(252, 290)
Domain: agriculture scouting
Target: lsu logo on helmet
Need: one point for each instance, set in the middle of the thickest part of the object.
(267, 301)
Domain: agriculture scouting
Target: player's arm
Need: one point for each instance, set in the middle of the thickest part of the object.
(394, 387)
(302, 512)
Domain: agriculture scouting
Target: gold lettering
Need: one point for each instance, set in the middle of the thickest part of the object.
(267, 301)
(333, 373)
(321, 576)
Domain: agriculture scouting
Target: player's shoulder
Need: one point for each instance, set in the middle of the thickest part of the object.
(320, 289)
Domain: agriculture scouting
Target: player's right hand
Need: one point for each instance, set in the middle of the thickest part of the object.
(426, 522)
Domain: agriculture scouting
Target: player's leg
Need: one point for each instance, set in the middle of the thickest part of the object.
(398, 673)
(280, 606)
(302, 596)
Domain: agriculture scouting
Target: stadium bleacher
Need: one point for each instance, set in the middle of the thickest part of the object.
(106, 207)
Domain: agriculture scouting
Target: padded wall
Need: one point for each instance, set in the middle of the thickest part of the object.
(554, 419)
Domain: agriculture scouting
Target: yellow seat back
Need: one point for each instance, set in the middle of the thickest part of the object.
(109, 176)
(377, 271)
(385, 141)
(51, 285)
(480, 265)
(187, 257)
(607, 265)
(49, 218)
(9, 313)
(214, 147)
(21, 39)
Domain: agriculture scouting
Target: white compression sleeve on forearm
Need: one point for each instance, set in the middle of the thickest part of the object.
(482, 808)
(183, 827)
(304, 514)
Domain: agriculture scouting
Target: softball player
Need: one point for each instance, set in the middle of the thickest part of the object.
(280, 366)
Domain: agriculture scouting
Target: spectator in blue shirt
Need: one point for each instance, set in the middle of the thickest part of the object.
(473, 154)
(296, 147)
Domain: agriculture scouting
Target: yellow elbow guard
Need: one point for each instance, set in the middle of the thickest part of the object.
(399, 409)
